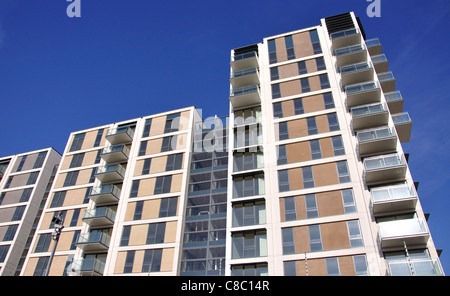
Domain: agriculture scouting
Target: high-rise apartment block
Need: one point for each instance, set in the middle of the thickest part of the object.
(25, 181)
(305, 175)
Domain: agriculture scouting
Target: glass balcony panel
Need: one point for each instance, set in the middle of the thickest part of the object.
(242, 77)
(385, 168)
(398, 232)
(99, 216)
(105, 194)
(345, 37)
(94, 241)
(403, 125)
(380, 63)
(244, 60)
(393, 198)
(351, 54)
(110, 173)
(118, 135)
(387, 81)
(395, 101)
(246, 95)
(356, 73)
(363, 93)
(115, 153)
(370, 116)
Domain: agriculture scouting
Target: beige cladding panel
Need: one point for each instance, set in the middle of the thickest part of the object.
(281, 49)
(325, 174)
(302, 45)
(154, 146)
(139, 261)
(138, 235)
(177, 180)
(184, 120)
(322, 124)
(297, 128)
(288, 70)
(288, 108)
(158, 164)
(298, 152)
(301, 239)
(120, 262)
(313, 103)
(346, 266)
(84, 176)
(167, 259)
(295, 179)
(89, 139)
(138, 167)
(150, 210)
(146, 187)
(31, 266)
(314, 83)
(311, 65)
(330, 203)
(290, 88)
(171, 232)
(334, 236)
(158, 124)
(326, 146)
(65, 241)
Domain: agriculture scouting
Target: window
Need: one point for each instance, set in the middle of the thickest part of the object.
(58, 199)
(3, 252)
(247, 161)
(311, 206)
(143, 148)
(32, 178)
(276, 92)
(315, 240)
(146, 166)
(298, 106)
(315, 41)
(320, 63)
(304, 82)
(274, 73)
(155, 233)
(248, 136)
(148, 124)
(77, 160)
(348, 201)
(77, 142)
(289, 47)
(248, 186)
(272, 51)
(328, 101)
(302, 68)
(138, 210)
(282, 155)
(163, 184)
(277, 110)
(324, 82)
(75, 215)
(40, 266)
(332, 266)
(290, 212)
(312, 126)
(168, 207)
(40, 160)
(283, 130)
(338, 146)
(249, 244)
(18, 213)
(259, 269)
(344, 176)
(169, 144)
(134, 188)
(125, 236)
(152, 260)
(43, 243)
(174, 162)
(333, 123)
(10, 233)
(249, 213)
(22, 162)
(308, 179)
(128, 267)
(76, 235)
(98, 138)
(290, 268)
(283, 181)
(359, 262)
(288, 241)
(354, 234)
(26, 193)
(172, 123)
(316, 153)
(71, 179)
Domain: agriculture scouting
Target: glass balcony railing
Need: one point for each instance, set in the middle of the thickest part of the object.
(100, 212)
(385, 76)
(393, 96)
(349, 50)
(111, 168)
(115, 149)
(415, 267)
(244, 90)
(243, 72)
(348, 69)
(401, 118)
(94, 240)
(120, 130)
(367, 110)
(105, 194)
(373, 42)
(392, 193)
(402, 228)
(244, 56)
(361, 87)
(88, 266)
(384, 161)
(344, 33)
(381, 58)
(375, 134)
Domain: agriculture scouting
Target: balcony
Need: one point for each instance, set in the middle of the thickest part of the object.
(105, 194)
(387, 81)
(380, 63)
(385, 168)
(93, 241)
(397, 198)
(403, 125)
(410, 231)
(110, 173)
(100, 216)
(373, 46)
(380, 140)
(244, 60)
(116, 153)
(363, 93)
(87, 267)
(120, 135)
(244, 77)
(415, 267)
(356, 73)
(345, 38)
(395, 101)
(351, 54)
(246, 95)
(369, 116)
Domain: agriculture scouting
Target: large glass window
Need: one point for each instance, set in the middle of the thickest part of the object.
(249, 244)
(249, 213)
(248, 185)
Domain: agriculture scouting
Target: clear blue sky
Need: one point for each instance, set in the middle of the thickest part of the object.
(126, 59)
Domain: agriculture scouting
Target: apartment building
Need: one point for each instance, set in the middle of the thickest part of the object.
(305, 176)
(328, 192)
(25, 181)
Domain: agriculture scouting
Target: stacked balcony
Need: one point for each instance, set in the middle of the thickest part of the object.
(370, 116)
(415, 267)
(403, 125)
(351, 54)
(88, 267)
(380, 63)
(115, 153)
(356, 73)
(94, 241)
(99, 216)
(110, 173)
(118, 135)
(363, 93)
(373, 46)
(393, 199)
(244, 79)
(394, 100)
(387, 81)
(377, 141)
(345, 38)
(385, 168)
(397, 233)
(105, 194)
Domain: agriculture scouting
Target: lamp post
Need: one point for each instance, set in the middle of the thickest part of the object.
(58, 226)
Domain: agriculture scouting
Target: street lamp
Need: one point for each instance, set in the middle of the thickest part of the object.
(58, 226)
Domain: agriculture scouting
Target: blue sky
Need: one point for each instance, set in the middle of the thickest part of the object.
(126, 59)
